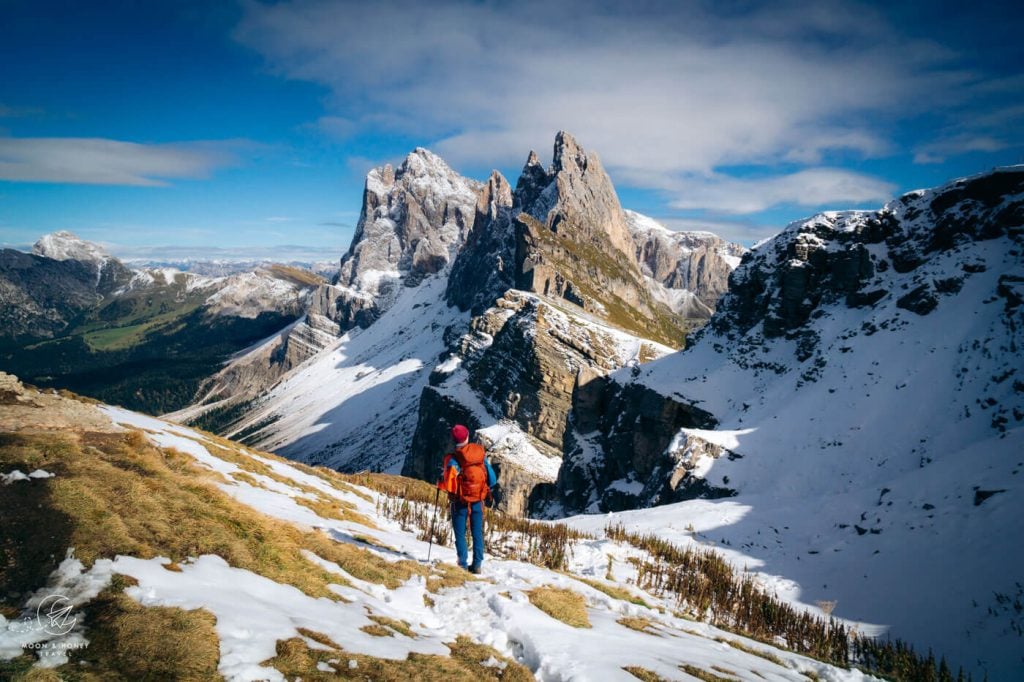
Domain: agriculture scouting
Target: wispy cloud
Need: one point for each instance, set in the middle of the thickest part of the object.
(97, 161)
(666, 92)
(812, 187)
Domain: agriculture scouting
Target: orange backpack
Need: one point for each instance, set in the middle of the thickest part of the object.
(473, 475)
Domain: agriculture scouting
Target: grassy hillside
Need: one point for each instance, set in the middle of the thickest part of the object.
(187, 556)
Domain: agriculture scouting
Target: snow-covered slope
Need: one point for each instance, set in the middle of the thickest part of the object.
(379, 619)
(413, 220)
(353, 405)
(865, 375)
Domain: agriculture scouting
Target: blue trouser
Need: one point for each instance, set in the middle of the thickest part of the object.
(460, 510)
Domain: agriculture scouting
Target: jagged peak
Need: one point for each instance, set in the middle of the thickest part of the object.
(64, 245)
(422, 161)
(496, 192)
(568, 154)
(419, 163)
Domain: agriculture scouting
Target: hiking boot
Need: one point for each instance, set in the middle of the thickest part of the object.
(475, 570)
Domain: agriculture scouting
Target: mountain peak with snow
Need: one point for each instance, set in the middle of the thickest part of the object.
(64, 245)
(864, 365)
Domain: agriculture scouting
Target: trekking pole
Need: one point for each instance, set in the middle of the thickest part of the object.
(437, 495)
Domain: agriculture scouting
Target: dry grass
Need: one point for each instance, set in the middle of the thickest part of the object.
(639, 624)
(736, 644)
(338, 510)
(114, 493)
(613, 591)
(705, 675)
(377, 630)
(446, 576)
(400, 626)
(565, 605)
(644, 674)
(135, 642)
(296, 659)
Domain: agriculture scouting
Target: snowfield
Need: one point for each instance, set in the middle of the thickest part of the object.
(885, 471)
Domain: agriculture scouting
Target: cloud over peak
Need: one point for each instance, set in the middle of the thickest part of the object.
(681, 90)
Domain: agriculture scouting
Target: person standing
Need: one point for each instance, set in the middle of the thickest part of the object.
(468, 478)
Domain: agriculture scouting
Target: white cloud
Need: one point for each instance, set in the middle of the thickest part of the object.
(812, 187)
(96, 161)
(664, 94)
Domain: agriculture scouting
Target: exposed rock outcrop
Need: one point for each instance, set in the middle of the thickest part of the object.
(513, 376)
(697, 263)
(413, 221)
(795, 307)
(485, 268)
(623, 449)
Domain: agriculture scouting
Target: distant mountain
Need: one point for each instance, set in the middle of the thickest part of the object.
(74, 316)
(852, 419)
(223, 268)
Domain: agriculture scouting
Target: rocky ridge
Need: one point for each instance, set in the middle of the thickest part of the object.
(857, 399)
(507, 356)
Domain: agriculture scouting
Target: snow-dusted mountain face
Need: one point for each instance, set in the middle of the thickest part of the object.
(76, 317)
(690, 270)
(413, 221)
(457, 301)
(563, 234)
(856, 420)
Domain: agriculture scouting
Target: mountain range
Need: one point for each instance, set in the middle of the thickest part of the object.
(75, 317)
(837, 411)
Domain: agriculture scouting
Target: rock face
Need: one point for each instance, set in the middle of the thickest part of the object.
(697, 263)
(623, 450)
(485, 268)
(413, 221)
(797, 309)
(565, 236)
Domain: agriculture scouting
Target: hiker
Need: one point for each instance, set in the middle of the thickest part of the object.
(467, 476)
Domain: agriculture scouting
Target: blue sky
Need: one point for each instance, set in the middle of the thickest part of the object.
(245, 129)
